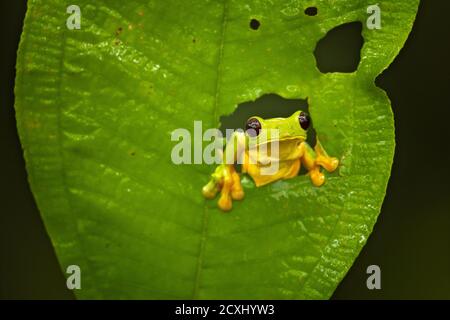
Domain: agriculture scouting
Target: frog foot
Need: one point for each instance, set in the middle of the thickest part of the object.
(317, 177)
(317, 158)
(226, 180)
(323, 159)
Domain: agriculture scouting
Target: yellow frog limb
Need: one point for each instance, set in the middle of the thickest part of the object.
(293, 151)
(225, 178)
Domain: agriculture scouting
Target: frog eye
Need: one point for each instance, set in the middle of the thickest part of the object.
(252, 127)
(304, 120)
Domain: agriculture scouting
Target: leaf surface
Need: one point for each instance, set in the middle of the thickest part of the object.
(96, 107)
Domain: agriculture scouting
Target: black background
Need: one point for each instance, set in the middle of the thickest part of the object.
(411, 240)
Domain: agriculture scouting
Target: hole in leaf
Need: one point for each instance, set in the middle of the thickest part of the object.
(340, 49)
(254, 24)
(118, 31)
(311, 11)
(266, 107)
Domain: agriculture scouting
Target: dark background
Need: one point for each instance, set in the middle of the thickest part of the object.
(411, 240)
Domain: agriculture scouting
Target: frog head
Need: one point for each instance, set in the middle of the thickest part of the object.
(262, 131)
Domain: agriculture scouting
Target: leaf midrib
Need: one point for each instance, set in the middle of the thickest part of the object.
(215, 116)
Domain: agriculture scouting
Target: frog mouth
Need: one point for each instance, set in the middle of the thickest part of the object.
(280, 140)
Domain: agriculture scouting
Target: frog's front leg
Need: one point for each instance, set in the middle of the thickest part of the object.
(314, 159)
(225, 178)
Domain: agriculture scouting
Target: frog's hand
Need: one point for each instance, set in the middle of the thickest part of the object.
(314, 159)
(225, 178)
(231, 188)
(323, 159)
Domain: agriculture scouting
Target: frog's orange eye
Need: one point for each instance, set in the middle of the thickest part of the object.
(252, 127)
(304, 120)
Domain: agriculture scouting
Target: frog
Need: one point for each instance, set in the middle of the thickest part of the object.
(293, 153)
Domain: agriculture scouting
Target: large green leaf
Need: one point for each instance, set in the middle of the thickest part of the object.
(95, 109)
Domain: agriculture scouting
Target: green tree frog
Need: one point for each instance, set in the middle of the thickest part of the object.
(293, 151)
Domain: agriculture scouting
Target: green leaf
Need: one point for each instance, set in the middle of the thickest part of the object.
(95, 109)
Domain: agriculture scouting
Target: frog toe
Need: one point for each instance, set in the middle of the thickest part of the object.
(334, 163)
(225, 203)
(237, 194)
(317, 177)
(329, 163)
(210, 190)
